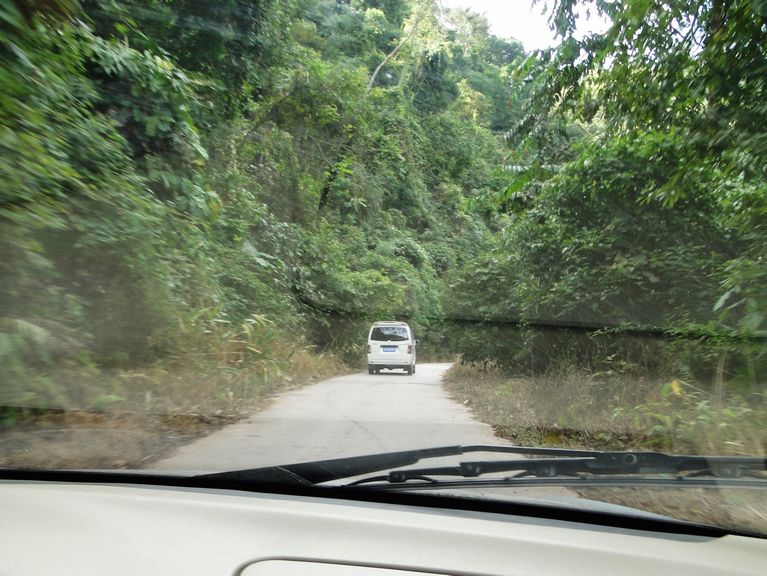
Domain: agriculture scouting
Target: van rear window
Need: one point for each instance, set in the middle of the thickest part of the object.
(389, 334)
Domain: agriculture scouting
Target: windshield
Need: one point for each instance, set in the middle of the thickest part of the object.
(206, 206)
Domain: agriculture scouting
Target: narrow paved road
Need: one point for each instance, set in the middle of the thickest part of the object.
(345, 416)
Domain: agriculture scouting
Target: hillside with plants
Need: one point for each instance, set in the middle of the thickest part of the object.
(220, 196)
(626, 281)
(204, 202)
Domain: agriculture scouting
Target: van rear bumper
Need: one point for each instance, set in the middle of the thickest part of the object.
(390, 360)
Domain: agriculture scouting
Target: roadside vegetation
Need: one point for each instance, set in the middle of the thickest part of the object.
(621, 300)
(203, 203)
(578, 409)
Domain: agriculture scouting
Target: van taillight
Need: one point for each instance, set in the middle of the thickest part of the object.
(410, 349)
(369, 349)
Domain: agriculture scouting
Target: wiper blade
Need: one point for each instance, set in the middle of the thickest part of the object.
(554, 462)
(585, 464)
(336, 469)
(582, 481)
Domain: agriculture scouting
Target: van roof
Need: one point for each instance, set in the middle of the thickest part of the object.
(389, 323)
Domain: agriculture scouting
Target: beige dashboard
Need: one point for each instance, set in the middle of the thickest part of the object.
(91, 529)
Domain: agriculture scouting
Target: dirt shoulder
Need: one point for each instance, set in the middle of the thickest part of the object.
(163, 412)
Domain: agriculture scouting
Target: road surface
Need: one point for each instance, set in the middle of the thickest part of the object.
(352, 416)
(344, 416)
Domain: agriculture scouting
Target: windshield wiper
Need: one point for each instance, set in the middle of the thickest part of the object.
(596, 468)
(547, 463)
(338, 468)
(682, 467)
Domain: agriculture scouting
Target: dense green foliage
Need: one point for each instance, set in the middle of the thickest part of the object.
(298, 168)
(173, 167)
(641, 205)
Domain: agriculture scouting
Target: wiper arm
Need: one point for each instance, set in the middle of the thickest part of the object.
(592, 464)
(327, 470)
(556, 462)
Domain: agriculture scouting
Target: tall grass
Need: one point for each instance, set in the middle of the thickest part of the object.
(571, 407)
(61, 410)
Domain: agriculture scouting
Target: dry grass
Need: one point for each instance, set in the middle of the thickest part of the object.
(572, 409)
(577, 410)
(129, 418)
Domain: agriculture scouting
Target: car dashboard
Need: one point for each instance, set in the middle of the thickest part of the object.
(90, 528)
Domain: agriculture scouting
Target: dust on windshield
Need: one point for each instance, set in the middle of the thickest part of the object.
(205, 206)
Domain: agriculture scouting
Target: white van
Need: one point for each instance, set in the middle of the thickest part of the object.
(391, 345)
